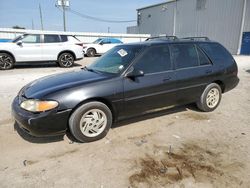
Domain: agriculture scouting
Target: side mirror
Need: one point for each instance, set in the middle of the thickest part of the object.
(101, 43)
(19, 43)
(133, 73)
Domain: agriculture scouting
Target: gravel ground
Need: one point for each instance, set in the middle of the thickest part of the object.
(178, 147)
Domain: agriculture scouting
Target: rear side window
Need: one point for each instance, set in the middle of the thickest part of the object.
(216, 51)
(51, 38)
(184, 55)
(203, 58)
(155, 59)
(64, 38)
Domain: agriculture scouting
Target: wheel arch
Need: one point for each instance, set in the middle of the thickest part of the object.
(7, 52)
(67, 51)
(221, 84)
(98, 99)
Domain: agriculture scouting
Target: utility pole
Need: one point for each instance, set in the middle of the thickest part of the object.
(32, 24)
(64, 21)
(108, 29)
(64, 4)
(41, 16)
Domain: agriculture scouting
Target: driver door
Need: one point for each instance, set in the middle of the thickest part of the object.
(156, 88)
(105, 45)
(29, 48)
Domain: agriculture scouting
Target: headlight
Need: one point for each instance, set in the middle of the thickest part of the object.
(38, 106)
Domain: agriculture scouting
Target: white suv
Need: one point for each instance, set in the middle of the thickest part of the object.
(64, 49)
(100, 46)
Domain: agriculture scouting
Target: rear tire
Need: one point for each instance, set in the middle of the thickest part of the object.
(66, 60)
(6, 61)
(210, 98)
(91, 52)
(90, 122)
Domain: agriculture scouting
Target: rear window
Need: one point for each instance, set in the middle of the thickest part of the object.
(184, 55)
(216, 51)
(51, 38)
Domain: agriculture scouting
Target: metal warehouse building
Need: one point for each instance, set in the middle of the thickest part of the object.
(226, 21)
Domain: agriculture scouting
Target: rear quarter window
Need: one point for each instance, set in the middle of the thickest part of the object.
(216, 52)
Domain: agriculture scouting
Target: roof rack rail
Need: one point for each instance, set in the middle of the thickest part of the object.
(163, 37)
(196, 38)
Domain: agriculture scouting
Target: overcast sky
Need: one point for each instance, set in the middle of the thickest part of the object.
(21, 13)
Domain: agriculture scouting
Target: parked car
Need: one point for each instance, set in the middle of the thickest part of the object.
(129, 80)
(64, 49)
(100, 46)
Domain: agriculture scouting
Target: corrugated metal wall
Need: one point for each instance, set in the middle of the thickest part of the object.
(157, 19)
(220, 20)
(247, 17)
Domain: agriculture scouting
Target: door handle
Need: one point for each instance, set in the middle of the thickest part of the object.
(167, 79)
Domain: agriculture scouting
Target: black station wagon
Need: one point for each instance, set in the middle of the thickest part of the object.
(129, 80)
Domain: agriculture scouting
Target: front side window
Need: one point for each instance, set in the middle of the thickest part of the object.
(117, 59)
(106, 41)
(184, 55)
(97, 41)
(31, 39)
(51, 38)
(155, 59)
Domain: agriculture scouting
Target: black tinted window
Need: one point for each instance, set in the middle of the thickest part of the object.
(203, 58)
(184, 55)
(51, 38)
(216, 51)
(156, 59)
(64, 38)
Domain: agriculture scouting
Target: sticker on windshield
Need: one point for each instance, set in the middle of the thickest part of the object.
(122, 52)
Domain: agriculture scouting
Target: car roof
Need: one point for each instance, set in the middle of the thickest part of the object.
(45, 33)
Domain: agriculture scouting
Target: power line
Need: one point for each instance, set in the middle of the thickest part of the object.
(98, 19)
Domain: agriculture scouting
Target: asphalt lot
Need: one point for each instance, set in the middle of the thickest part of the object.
(179, 147)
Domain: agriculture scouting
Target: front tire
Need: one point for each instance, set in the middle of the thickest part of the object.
(6, 61)
(91, 52)
(90, 122)
(210, 98)
(66, 60)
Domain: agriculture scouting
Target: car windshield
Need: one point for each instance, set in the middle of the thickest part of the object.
(97, 41)
(116, 59)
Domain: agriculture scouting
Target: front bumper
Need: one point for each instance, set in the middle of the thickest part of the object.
(49, 123)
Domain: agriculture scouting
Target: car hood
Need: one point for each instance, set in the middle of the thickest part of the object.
(3, 45)
(39, 88)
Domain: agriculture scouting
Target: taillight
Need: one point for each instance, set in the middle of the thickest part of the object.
(79, 44)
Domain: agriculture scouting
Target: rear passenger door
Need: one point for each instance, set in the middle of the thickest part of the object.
(51, 47)
(193, 71)
(156, 88)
